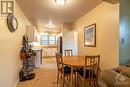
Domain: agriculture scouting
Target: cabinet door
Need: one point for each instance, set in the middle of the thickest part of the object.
(44, 52)
(53, 51)
(38, 58)
(49, 52)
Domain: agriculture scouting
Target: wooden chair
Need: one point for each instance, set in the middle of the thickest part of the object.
(63, 70)
(68, 52)
(90, 71)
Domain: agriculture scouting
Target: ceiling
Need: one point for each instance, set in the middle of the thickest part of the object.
(41, 12)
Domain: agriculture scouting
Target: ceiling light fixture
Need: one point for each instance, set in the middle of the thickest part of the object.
(60, 3)
(51, 26)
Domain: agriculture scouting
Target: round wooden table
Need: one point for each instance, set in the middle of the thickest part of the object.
(74, 62)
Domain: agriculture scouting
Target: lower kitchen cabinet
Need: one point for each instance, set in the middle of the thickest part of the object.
(49, 51)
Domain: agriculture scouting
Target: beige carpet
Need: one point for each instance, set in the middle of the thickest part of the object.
(46, 76)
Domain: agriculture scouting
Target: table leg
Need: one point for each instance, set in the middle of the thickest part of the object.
(76, 79)
(72, 76)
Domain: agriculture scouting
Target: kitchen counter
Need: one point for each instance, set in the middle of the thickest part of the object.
(36, 49)
(38, 56)
(47, 50)
(46, 46)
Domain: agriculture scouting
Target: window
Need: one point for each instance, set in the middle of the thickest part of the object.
(48, 40)
(44, 39)
(52, 40)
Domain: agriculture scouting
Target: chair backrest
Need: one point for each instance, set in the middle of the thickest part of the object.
(68, 52)
(92, 66)
(59, 61)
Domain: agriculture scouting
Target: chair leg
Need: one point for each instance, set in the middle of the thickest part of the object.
(58, 78)
(89, 83)
(67, 77)
(63, 80)
(83, 83)
(70, 78)
(95, 84)
(77, 80)
(61, 76)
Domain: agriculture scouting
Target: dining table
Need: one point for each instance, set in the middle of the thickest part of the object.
(74, 62)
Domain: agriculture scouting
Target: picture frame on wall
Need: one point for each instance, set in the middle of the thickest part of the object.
(90, 35)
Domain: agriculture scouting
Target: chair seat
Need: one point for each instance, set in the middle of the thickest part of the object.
(81, 73)
(67, 70)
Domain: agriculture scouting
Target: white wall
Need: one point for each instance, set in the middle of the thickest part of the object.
(70, 40)
(31, 33)
(10, 46)
(106, 17)
(75, 49)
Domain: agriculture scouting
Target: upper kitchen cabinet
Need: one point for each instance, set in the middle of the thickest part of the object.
(31, 33)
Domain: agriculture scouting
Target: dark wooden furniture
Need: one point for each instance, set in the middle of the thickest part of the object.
(68, 52)
(59, 44)
(74, 62)
(90, 71)
(62, 69)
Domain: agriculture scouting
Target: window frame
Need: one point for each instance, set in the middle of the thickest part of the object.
(48, 40)
(41, 43)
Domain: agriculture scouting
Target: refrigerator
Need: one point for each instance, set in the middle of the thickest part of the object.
(59, 44)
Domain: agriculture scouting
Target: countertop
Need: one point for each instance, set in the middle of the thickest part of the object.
(45, 46)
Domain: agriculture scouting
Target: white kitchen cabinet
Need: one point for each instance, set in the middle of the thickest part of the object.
(49, 52)
(44, 52)
(38, 57)
(53, 51)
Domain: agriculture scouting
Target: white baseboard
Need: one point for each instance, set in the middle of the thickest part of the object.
(15, 85)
